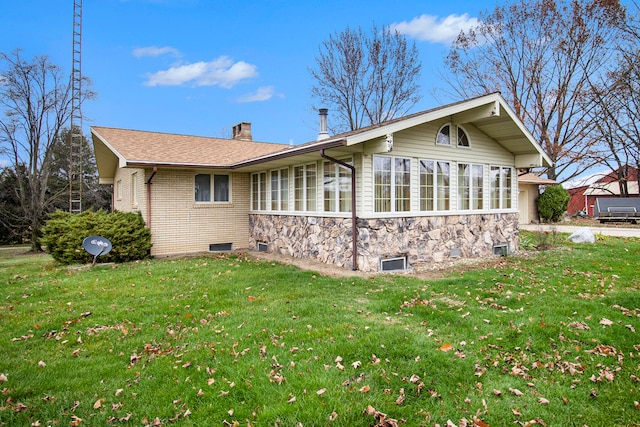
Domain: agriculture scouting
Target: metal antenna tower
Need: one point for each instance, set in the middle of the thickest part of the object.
(76, 172)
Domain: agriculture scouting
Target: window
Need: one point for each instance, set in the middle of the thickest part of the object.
(336, 186)
(463, 139)
(501, 181)
(427, 175)
(304, 187)
(443, 182)
(202, 187)
(280, 190)
(119, 189)
(447, 132)
(392, 184)
(220, 188)
(259, 191)
(134, 189)
(470, 188)
(444, 137)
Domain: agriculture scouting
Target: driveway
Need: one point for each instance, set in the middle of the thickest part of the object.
(605, 231)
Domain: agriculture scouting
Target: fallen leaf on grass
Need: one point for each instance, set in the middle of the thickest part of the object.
(3, 378)
(365, 389)
(606, 322)
(97, 404)
(446, 347)
(75, 421)
(636, 404)
(516, 391)
(543, 401)
(321, 391)
(333, 416)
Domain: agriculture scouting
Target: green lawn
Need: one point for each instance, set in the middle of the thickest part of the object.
(547, 339)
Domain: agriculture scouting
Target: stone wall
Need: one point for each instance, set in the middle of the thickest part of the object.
(425, 241)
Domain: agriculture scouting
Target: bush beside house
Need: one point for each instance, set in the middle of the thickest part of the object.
(552, 204)
(64, 233)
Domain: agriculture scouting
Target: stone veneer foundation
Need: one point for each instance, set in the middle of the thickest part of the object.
(424, 241)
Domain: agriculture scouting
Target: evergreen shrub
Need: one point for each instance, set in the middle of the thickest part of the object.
(64, 232)
(553, 203)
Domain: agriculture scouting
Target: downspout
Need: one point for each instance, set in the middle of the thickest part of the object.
(155, 169)
(354, 218)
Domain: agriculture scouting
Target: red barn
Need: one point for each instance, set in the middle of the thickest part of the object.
(585, 191)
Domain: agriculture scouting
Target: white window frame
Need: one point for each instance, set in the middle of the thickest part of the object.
(505, 192)
(119, 190)
(448, 143)
(134, 189)
(341, 199)
(475, 199)
(279, 193)
(259, 191)
(453, 139)
(212, 199)
(305, 203)
(464, 131)
(393, 201)
(445, 190)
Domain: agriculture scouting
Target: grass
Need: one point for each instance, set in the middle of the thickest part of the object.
(548, 339)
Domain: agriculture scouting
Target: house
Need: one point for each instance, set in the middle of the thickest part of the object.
(528, 191)
(404, 194)
(601, 185)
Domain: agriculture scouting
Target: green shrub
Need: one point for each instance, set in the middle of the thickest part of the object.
(64, 232)
(553, 203)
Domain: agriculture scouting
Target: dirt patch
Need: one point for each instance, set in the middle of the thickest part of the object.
(458, 266)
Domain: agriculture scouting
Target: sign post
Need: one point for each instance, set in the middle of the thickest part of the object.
(96, 246)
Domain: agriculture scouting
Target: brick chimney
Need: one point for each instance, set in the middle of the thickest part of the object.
(242, 131)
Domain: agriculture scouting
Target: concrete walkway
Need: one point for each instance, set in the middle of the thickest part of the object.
(605, 231)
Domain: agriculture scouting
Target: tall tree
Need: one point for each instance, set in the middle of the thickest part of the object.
(35, 99)
(540, 54)
(617, 93)
(366, 78)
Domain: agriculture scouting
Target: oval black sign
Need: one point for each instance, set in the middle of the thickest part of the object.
(96, 245)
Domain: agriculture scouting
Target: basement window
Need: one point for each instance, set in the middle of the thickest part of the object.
(501, 249)
(393, 264)
(219, 247)
(262, 247)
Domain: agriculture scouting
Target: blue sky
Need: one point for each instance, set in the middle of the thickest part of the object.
(199, 67)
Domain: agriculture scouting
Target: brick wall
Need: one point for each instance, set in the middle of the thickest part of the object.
(179, 225)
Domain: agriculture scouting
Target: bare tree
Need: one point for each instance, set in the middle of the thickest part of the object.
(366, 78)
(617, 94)
(35, 99)
(540, 54)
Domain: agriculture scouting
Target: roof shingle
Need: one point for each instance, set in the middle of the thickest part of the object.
(163, 148)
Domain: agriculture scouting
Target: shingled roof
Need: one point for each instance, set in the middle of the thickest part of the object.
(138, 148)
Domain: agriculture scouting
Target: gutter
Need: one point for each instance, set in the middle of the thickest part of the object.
(155, 170)
(354, 217)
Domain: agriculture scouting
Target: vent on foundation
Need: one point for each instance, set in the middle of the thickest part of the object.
(219, 247)
(501, 249)
(262, 247)
(393, 264)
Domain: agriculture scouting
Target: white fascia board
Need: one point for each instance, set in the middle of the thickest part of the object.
(122, 162)
(428, 116)
(526, 133)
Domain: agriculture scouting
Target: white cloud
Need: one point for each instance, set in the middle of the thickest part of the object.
(436, 30)
(263, 93)
(155, 51)
(221, 72)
